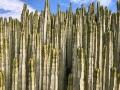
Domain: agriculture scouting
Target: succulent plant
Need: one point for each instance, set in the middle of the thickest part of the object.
(63, 51)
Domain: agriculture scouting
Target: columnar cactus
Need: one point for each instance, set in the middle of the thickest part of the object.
(62, 51)
(97, 79)
(22, 63)
(100, 51)
(110, 52)
(2, 81)
(104, 76)
(6, 60)
(118, 77)
(45, 68)
(53, 71)
(32, 79)
(15, 74)
(113, 79)
(70, 82)
(81, 68)
(90, 60)
(2, 58)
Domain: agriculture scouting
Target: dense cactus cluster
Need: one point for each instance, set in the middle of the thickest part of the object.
(62, 51)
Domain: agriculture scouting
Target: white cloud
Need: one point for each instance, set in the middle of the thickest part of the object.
(76, 1)
(105, 2)
(64, 4)
(14, 8)
(102, 2)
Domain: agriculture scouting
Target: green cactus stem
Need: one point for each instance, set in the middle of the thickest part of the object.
(2, 81)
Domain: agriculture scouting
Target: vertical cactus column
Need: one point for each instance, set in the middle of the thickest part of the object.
(62, 51)
(110, 52)
(16, 36)
(81, 68)
(96, 48)
(45, 68)
(100, 45)
(90, 60)
(32, 79)
(2, 58)
(118, 40)
(15, 74)
(104, 66)
(40, 63)
(74, 59)
(85, 28)
(22, 63)
(5, 27)
(2, 81)
(49, 65)
(1, 47)
(118, 82)
(46, 15)
(6, 61)
(97, 79)
(113, 79)
(62, 58)
(70, 82)
(114, 28)
(38, 59)
(1, 30)
(53, 71)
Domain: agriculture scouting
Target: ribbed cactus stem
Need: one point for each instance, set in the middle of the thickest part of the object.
(5, 27)
(100, 51)
(16, 39)
(62, 34)
(6, 60)
(45, 20)
(53, 37)
(2, 81)
(40, 62)
(45, 68)
(48, 33)
(35, 21)
(118, 41)
(2, 58)
(57, 69)
(78, 37)
(118, 77)
(70, 82)
(104, 66)
(1, 30)
(32, 82)
(85, 38)
(54, 71)
(38, 59)
(56, 39)
(96, 48)
(113, 79)
(22, 63)
(60, 51)
(110, 51)
(81, 68)
(49, 65)
(90, 60)
(15, 74)
(97, 79)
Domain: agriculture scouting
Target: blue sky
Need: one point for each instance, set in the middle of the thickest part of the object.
(14, 7)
